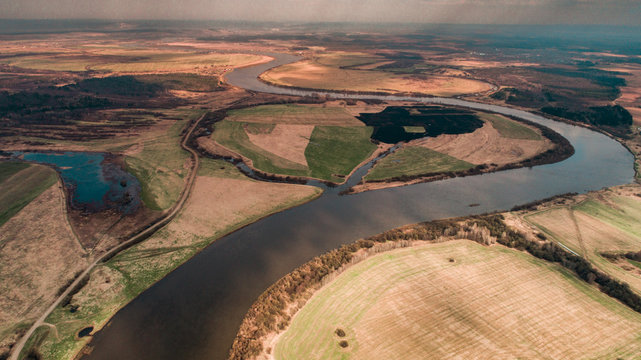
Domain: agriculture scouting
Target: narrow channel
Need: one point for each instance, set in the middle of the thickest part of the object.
(195, 311)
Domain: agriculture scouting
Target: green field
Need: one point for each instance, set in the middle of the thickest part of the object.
(294, 114)
(19, 184)
(510, 128)
(187, 82)
(232, 135)
(415, 160)
(161, 165)
(607, 223)
(459, 299)
(332, 152)
(335, 150)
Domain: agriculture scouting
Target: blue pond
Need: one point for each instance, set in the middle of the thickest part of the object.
(94, 181)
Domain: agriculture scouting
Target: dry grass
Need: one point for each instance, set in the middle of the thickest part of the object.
(295, 114)
(38, 255)
(286, 141)
(606, 221)
(236, 200)
(485, 146)
(460, 300)
(127, 60)
(239, 201)
(313, 75)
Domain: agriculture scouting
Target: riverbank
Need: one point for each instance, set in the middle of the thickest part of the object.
(241, 265)
(561, 150)
(117, 281)
(270, 316)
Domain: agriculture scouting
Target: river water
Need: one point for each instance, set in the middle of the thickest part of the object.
(195, 312)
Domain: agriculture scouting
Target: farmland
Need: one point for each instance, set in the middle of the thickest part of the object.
(40, 230)
(337, 73)
(458, 299)
(132, 90)
(21, 183)
(499, 141)
(295, 114)
(605, 222)
(326, 143)
(415, 160)
(130, 61)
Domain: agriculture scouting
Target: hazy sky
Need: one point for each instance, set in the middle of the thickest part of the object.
(441, 11)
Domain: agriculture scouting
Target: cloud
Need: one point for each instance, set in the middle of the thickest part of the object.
(422, 11)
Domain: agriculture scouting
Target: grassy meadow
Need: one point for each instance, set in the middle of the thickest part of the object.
(510, 128)
(161, 165)
(295, 114)
(415, 160)
(336, 145)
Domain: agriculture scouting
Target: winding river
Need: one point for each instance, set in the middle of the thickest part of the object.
(195, 311)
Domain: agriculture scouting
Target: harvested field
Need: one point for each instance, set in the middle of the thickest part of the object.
(486, 146)
(459, 300)
(631, 93)
(347, 59)
(313, 75)
(499, 141)
(39, 254)
(20, 183)
(602, 222)
(510, 128)
(294, 114)
(239, 201)
(131, 61)
(331, 152)
(233, 136)
(286, 141)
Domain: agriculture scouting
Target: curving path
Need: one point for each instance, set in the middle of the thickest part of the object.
(17, 348)
(195, 311)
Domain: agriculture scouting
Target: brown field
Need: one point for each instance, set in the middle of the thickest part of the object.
(514, 142)
(237, 200)
(478, 64)
(310, 74)
(39, 254)
(286, 141)
(631, 93)
(459, 299)
(68, 53)
(485, 146)
(333, 113)
(604, 221)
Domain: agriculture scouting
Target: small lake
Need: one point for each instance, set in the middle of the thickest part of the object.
(95, 181)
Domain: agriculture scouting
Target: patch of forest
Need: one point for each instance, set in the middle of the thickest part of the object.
(389, 124)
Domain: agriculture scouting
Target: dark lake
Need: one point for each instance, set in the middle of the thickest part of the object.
(95, 181)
